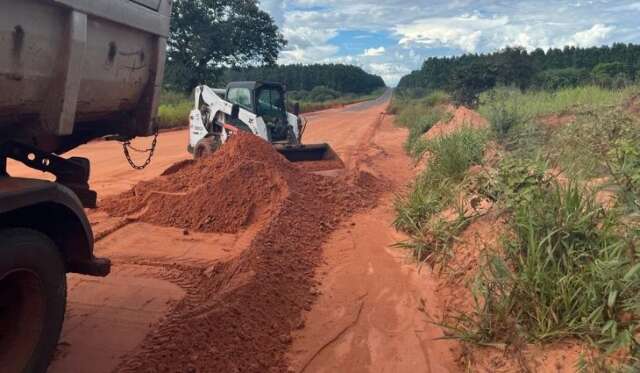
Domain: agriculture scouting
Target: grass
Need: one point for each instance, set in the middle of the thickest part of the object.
(568, 265)
(418, 212)
(410, 111)
(173, 111)
(568, 270)
(419, 115)
(529, 105)
(452, 155)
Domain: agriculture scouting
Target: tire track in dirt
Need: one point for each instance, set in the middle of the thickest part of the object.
(389, 329)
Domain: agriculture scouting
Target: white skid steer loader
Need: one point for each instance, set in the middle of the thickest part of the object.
(254, 107)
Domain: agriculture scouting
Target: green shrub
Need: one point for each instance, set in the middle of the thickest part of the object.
(502, 107)
(322, 94)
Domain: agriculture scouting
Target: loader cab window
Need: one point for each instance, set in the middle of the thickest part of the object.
(270, 103)
(240, 96)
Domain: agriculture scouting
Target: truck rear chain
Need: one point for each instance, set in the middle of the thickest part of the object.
(127, 145)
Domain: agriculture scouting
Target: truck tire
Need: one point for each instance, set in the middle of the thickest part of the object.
(33, 289)
(206, 147)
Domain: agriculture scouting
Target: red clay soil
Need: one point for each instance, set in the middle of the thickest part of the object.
(238, 316)
(634, 104)
(314, 166)
(462, 116)
(557, 120)
(223, 193)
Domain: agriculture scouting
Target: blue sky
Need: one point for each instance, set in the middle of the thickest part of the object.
(392, 37)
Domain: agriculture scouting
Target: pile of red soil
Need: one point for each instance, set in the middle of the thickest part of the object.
(316, 166)
(634, 104)
(238, 316)
(462, 117)
(240, 185)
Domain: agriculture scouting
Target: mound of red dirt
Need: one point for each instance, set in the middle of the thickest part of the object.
(314, 166)
(462, 116)
(238, 316)
(634, 104)
(237, 186)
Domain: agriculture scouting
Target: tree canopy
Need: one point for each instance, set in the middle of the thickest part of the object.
(467, 75)
(337, 77)
(208, 36)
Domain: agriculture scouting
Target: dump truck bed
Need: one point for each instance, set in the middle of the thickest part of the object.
(72, 70)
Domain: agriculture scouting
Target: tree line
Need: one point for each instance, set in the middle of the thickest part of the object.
(468, 75)
(336, 77)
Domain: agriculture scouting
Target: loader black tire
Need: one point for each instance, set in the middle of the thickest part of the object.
(33, 290)
(206, 147)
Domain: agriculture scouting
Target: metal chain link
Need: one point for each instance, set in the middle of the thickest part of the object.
(127, 145)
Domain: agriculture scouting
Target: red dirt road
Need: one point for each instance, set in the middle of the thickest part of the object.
(369, 315)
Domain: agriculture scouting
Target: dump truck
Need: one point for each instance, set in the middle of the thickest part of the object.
(255, 107)
(70, 71)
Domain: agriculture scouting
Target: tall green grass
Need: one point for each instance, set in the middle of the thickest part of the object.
(568, 265)
(173, 111)
(409, 111)
(568, 270)
(532, 104)
(419, 115)
(418, 211)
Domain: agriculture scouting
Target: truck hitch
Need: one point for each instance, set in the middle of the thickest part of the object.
(72, 173)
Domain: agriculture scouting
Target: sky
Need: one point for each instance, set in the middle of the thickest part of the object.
(391, 38)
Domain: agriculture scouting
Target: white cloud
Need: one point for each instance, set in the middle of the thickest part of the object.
(462, 32)
(391, 72)
(306, 45)
(595, 36)
(374, 52)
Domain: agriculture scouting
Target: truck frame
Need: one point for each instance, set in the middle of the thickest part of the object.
(70, 71)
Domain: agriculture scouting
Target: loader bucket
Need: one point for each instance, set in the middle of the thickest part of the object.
(308, 153)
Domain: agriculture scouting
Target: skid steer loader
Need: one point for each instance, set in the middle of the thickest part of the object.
(254, 107)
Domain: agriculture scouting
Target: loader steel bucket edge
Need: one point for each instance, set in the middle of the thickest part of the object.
(308, 153)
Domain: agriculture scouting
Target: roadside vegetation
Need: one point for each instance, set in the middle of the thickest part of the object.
(466, 77)
(434, 190)
(561, 169)
(174, 109)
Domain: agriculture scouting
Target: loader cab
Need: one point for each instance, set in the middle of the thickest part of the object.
(267, 101)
